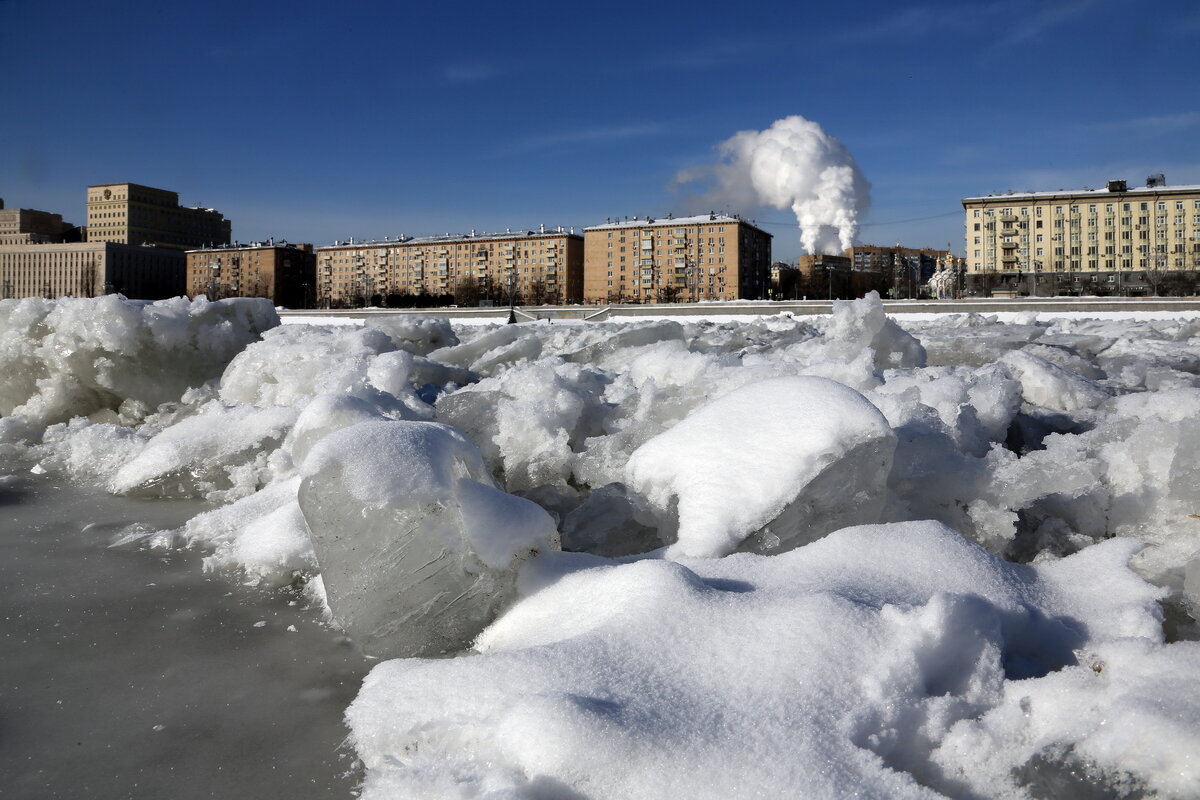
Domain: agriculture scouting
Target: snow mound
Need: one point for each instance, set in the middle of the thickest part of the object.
(766, 468)
(75, 357)
(417, 547)
(881, 661)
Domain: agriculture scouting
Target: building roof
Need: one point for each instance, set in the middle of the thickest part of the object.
(270, 244)
(1136, 191)
(669, 221)
(450, 238)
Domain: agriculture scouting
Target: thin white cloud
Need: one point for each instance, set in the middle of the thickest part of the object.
(709, 55)
(585, 136)
(1149, 125)
(1031, 25)
(467, 72)
(1012, 21)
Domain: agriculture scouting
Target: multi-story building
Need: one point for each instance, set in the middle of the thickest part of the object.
(286, 273)
(133, 214)
(27, 226)
(671, 260)
(539, 267)
(785, 281)
(826, 276)
(902, 271)
(90, 269)
(1116, 235)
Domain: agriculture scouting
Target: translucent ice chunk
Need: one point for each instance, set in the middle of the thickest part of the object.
(417, 548)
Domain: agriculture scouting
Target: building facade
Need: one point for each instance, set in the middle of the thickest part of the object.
(90, 269)
(539, 267)
(1116, 238)
(902, 271)
(283, 272)
(129, 213)
(27, 226)
(676, 260)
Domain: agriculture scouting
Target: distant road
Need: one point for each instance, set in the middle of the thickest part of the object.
(1049, 305)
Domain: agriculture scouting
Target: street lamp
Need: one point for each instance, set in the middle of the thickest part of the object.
(512, 288)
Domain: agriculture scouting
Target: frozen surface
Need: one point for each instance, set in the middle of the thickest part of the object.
(1022, 622)
(129, 672)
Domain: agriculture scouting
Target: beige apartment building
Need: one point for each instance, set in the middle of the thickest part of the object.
(130, 213)
(676, 260)
(27, 226)
(90, 269)
(283, 272)
(1117, 230)
(542, 267)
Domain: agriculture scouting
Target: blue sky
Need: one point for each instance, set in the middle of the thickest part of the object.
(320, 121)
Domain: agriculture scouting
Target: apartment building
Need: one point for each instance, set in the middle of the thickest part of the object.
(902, 271)
(130, 213)
(674, 260)
(1117, 230)
(540, 267)
(90, 269)
(283, 272)
(28, 226)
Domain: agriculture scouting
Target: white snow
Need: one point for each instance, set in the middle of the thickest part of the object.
(870, 663)
(1020, 622)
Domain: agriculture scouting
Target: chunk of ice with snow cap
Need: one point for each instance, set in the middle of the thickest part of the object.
(767, 467)
(417, 547)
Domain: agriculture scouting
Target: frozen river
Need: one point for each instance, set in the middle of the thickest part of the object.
(129, 673)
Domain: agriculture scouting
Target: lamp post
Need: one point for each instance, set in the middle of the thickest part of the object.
(512, 288)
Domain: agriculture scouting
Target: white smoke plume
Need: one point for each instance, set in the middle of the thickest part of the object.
(792, 164)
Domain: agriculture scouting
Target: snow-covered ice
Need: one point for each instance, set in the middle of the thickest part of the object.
(951, 555)
(770, 466)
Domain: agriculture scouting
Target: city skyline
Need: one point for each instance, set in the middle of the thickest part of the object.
(299, 122)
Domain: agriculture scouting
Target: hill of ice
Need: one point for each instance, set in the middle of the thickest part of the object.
(783, 557)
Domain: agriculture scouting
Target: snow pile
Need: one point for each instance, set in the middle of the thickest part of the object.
(110, 356)
(767, 467)
(880, 660)
(407, 472)
(418, 549)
